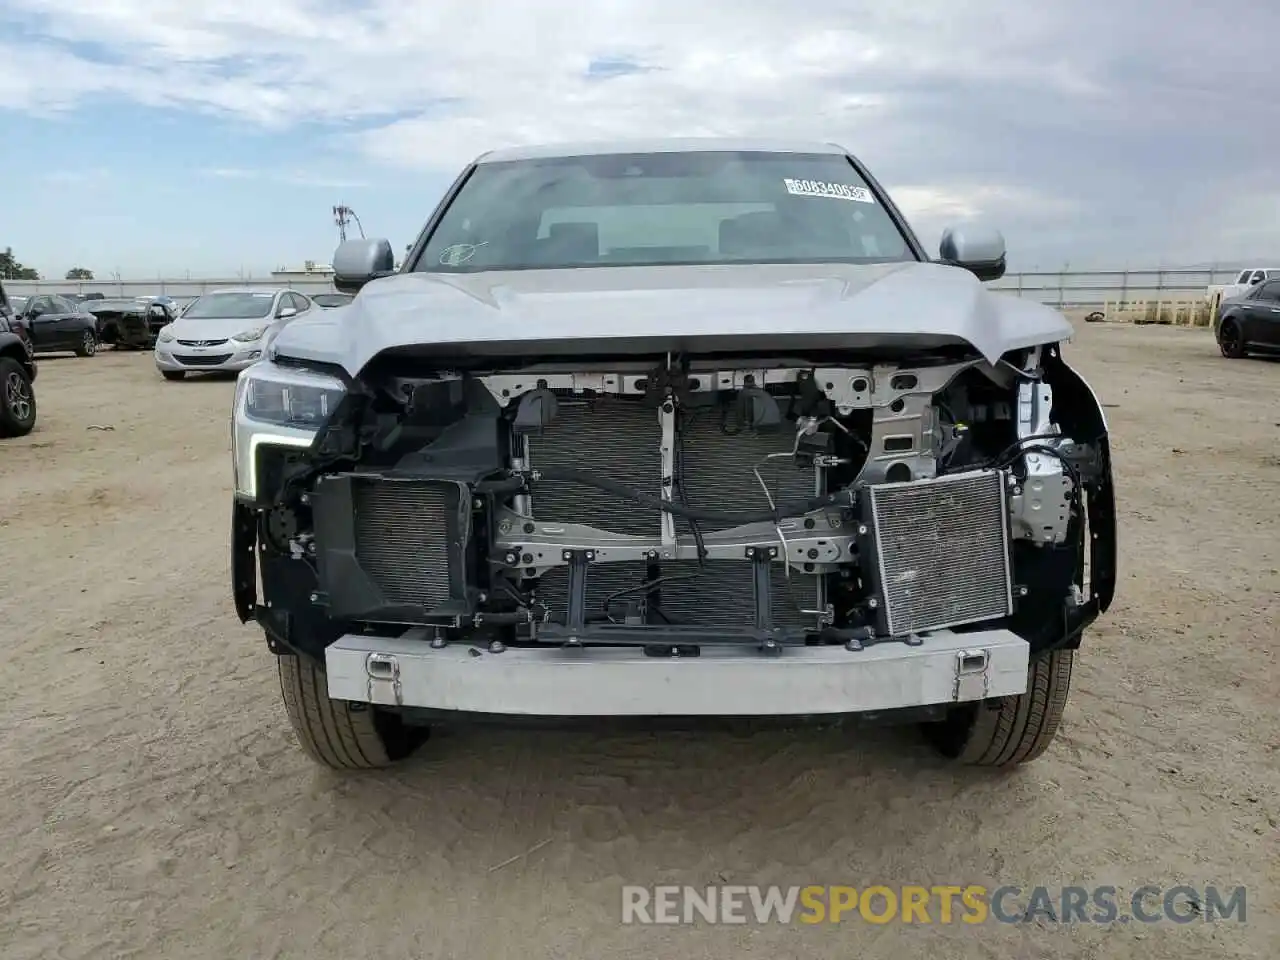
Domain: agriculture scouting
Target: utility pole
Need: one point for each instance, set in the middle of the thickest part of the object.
(342, 215)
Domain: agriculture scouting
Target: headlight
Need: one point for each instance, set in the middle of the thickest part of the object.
(248, 336)
(277, 407)
(298, 399)
(165, 335)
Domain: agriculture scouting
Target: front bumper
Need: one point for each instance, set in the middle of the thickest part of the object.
(557, 682)
(228, 357)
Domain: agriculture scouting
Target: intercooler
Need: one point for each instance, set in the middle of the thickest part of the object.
(621, 438)
(392, 549)
(401, 539)
(941, 554)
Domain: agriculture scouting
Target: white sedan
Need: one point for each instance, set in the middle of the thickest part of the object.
(225, 331)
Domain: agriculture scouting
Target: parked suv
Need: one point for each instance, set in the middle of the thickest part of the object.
(672, 429)
(17, 373)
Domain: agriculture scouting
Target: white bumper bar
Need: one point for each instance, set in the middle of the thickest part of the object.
(725, 682)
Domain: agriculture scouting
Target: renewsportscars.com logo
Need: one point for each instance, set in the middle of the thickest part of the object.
(941, 904)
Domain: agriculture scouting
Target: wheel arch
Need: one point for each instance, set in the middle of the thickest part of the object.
(13, 348)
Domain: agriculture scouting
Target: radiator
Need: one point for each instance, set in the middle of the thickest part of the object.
(942, 551)
(718, 466)
(603, 580)
(720, 595)
(620, 438)
(402, 538)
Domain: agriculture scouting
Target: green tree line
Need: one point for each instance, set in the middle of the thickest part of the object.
(12, 269)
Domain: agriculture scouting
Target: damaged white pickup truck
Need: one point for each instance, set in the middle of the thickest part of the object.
(672, 429)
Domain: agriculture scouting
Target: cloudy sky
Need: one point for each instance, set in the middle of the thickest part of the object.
(171, 136)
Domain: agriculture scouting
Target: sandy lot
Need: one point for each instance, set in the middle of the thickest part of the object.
(154, 804)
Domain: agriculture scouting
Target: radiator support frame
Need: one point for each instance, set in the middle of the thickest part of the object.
(659, 444)
(820, 541)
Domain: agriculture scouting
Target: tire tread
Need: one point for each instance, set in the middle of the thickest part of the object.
(1016, 730)
(331, 732)
(9, 426)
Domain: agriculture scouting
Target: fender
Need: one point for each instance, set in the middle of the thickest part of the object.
(1081, 415)
(244, 561)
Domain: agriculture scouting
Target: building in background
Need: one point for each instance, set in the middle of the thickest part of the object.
(310, 270)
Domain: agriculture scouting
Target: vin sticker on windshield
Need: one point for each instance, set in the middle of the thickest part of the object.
(820, 188)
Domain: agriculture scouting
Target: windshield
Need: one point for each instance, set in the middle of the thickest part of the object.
(228, 306)
(650, 209)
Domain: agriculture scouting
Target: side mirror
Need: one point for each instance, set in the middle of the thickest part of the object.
(286, 312)
(356, 262)
(980, 250)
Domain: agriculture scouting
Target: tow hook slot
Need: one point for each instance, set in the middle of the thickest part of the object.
(971, 675)
(384, 679)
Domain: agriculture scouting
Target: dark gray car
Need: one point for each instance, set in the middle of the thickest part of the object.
(1250, 322)
(131, 324)
(54, 323)
(672, 429)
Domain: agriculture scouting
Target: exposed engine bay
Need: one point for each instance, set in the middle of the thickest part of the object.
(676, 502)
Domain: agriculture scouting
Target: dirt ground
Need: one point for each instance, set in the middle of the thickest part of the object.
(153, 802)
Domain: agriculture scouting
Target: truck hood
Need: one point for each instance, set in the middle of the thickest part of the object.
(722, 308)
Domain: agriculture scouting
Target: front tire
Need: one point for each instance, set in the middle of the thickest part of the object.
(173, 374)
(337, 734)
(17, 400)
(88, 344)
(1008, 731)
(1231, 340)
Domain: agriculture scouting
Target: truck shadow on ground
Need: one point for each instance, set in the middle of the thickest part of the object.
(641, 802)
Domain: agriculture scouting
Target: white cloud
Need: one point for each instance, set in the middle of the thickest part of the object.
(1056, 111)
(232, 173)
(974, 201)
(513, 72)
(297, 178)
(76, 178)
